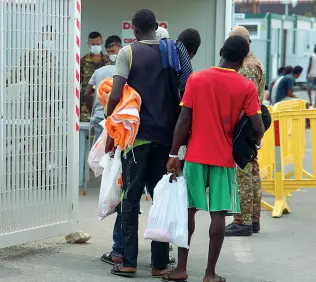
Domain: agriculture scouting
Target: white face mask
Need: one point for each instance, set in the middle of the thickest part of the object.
(48, 44)
(96, 49)
(113, 58)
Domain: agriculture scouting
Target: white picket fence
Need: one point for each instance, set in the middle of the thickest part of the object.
(38, 137)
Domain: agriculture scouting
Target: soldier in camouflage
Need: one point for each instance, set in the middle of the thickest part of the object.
(248, 221)
(39, 69)
(88, 64)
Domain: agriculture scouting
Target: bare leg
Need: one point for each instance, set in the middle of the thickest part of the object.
(217, 234)
(180, 272)
(308, 121)
(309, 92)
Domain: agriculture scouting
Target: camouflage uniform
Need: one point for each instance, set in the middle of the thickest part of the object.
(249, 178)
(87, 68)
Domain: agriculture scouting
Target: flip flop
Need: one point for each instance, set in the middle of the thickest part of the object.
(162, 275)
(107, 258)
(173, 279)
(127, 274)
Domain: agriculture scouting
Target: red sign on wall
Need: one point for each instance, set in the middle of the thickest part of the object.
(128, 34)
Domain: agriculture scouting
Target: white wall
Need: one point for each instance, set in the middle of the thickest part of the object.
(259, 43)
(204, 15)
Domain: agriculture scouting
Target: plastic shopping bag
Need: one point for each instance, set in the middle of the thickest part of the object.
(182, 152)
(97, 153)
(168, 216)
(110, 190)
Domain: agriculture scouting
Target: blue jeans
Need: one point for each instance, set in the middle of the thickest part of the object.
(97, 127)
(117, 235)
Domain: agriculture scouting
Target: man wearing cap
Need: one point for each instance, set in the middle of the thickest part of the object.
(248, 221)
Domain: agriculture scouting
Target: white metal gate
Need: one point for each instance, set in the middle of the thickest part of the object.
(39, 138)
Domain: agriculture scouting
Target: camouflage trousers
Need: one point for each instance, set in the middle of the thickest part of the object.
(250, 194)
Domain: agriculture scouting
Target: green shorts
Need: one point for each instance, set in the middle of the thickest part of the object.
(222, 184)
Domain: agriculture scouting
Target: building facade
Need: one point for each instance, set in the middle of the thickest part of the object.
(303, 8)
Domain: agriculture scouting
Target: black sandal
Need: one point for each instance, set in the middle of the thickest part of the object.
(108, 258)
(172, 279)
(127, 274)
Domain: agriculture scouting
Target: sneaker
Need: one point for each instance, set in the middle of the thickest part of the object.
(234, 230)
(256, 227)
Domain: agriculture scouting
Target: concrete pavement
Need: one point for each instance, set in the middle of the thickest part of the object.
(283, 252)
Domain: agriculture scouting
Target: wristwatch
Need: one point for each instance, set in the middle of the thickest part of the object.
(259, 146)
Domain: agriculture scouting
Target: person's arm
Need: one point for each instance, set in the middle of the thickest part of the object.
(182, 128)
(252, 109)
(310, 64)
(290, 91)
(88, 98)
(254, 73)
(186, 67)
(270, 90)
(122, 68)
(258, 127)
(116, 94)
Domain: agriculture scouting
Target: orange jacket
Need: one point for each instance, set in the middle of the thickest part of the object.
(123, 124)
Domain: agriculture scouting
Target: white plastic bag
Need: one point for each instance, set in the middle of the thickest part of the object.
(110, 190)
(182, 152)
(97, 153)
(168, 216)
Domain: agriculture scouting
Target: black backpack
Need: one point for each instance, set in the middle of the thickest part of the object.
(244, 144)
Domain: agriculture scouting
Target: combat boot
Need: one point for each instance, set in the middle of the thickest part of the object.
(234, 230)
(256, 227)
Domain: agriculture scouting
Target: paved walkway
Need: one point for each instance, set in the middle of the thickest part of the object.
(283, 252)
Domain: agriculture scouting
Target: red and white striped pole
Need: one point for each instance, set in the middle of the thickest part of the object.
(77, 67)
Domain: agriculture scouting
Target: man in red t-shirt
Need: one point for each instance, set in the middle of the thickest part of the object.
(211, 107)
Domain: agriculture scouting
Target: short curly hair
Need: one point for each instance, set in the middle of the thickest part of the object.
(191, 39)
(94, 35)
(235, 49)
(288, 70)
(111, 40)
(145, 20)
(298, 70)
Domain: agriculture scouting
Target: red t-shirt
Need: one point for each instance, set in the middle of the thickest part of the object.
(217, 97)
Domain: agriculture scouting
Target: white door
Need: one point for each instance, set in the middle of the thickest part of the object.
(39, 136)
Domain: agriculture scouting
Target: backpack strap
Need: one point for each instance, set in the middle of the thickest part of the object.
(130, 56)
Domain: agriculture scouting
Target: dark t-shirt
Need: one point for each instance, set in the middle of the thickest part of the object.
(149, 73)
(285, 84)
